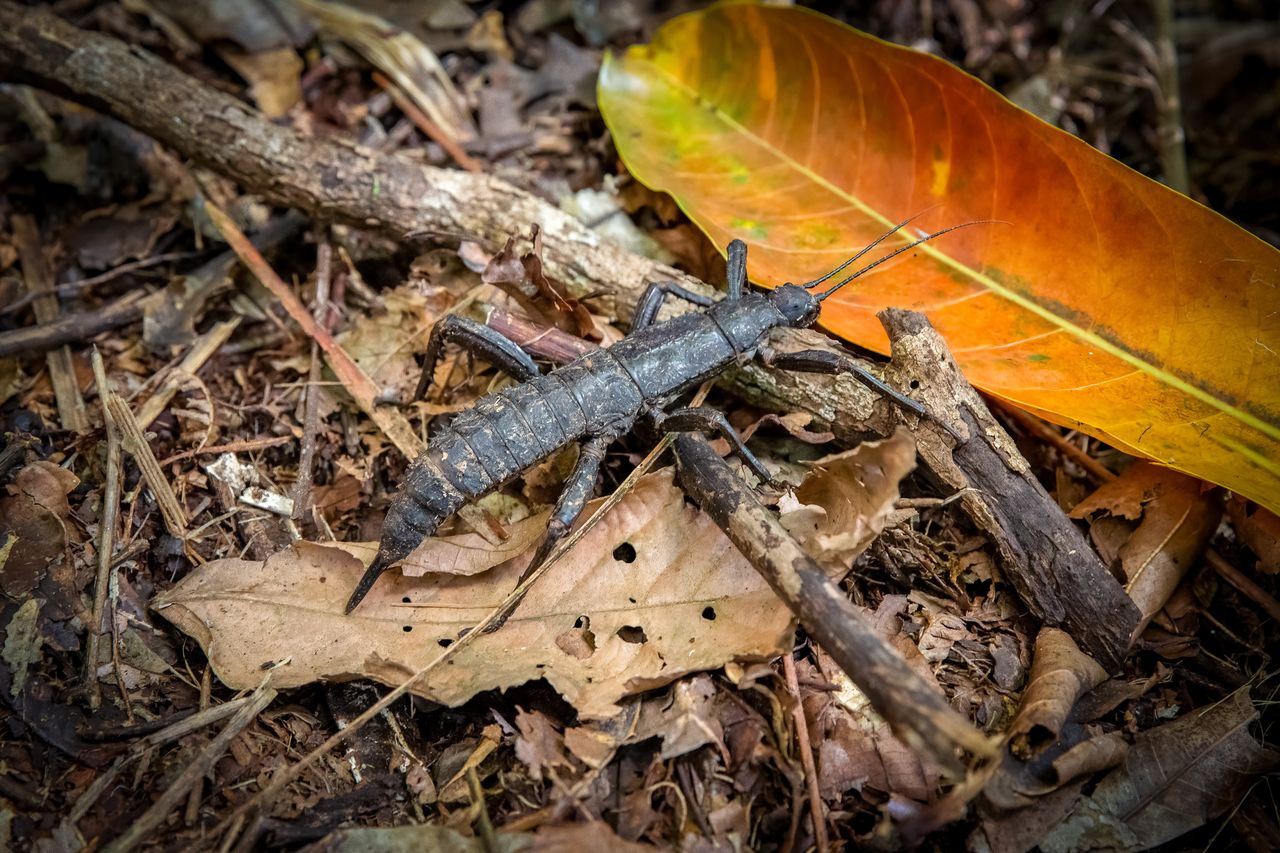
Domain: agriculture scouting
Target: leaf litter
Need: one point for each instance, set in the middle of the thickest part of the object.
(700, 760)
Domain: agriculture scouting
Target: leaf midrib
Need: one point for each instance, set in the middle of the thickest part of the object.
(1092, 338)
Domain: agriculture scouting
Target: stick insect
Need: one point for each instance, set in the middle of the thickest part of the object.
(599, 397)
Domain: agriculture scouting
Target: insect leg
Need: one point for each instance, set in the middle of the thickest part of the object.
(478, 339)
(737, 269)
(577, 491)
(651, 301)
(824, 361)
(706, 419)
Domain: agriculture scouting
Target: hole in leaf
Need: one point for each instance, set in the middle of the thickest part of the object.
(632, 634)
(915, 383)
(408, 628)
(444, 642)
(582, 622)
(625, 553)
(709, 613)
(407, 600)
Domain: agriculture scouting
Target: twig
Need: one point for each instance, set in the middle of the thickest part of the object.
(169, 734)
(1242, 582)
(165, 804)
(806, 755)
(197, 790)
(1173, 152)
(62, 371)
(84, 284)
(135, 443)
(201, 351)
(1049, 435)
(302, 502)
(427, 126)
(231, 447)
(918, 714)
(106, 533)
(355, 380)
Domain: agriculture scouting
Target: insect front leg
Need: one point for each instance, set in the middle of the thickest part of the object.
(653, 297)
(824, 361)
(479, 340)
(706, 419)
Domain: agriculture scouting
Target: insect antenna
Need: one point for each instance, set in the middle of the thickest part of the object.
(808, 285)
(898, 251)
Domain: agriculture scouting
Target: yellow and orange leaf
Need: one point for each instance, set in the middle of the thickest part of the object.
(1101, 300)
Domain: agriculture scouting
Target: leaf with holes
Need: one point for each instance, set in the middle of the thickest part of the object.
(1100, 299)
(652, 592)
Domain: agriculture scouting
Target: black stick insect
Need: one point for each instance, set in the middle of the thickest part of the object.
(599, 396)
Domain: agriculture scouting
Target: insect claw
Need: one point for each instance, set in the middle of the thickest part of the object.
(367, 580)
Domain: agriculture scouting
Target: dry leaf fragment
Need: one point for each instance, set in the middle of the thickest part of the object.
(1178, 517)
(35, 514)
(539, 745)
(690, 722)
(687, 602)
(1060, 673)
(1259, 529)
(846, 501)
(1175, 778)
(274, 77)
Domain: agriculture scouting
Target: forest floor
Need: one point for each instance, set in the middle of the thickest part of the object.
(182, 446)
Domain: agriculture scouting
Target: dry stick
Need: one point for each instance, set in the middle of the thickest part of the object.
(427, 126)
(201, 351)
(355, 380)
(311, 406)
(168, 801)
(1217, 562)
(1173, 152)
(140, 747)
(107, 531)
(135, 443)
(62, 371)
(245, 446)
(192, 813)
(918, 714)
(397, 195)
(497, 614)
(806, 753)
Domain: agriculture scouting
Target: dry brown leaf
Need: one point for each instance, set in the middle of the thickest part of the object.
(274, 77)
(539, 745)
(1060, 673)
(35, 513)
(687, 602)
(690, 722)
(1176, 777)
(1178, 517)
(1259, 529)
(846, 500)
(384, 344)
(855, 745)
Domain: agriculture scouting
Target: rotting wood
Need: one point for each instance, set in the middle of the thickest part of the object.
(396, 195)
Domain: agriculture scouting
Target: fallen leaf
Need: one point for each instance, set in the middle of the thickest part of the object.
(384, 343)
(685, 602)
(690, 722)
(1260, 530)
(1060, 673)
(1176, 777)
(22, 644)
(35, 514)
(1101, 299)
(539, 745)
(1177, 519)
(274, 77)
(847, 499)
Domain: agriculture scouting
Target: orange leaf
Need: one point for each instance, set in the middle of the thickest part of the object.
(1102, 300)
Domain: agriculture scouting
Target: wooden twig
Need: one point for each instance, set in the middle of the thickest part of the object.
(1046, 557)
(1173, 152)
(918, 714)
(62, 370)
(106, 536)
(201, 351)
(427, 126)
(356, 381)
(196, 770)
(135, 443)
(805, 749)
(302, 496)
